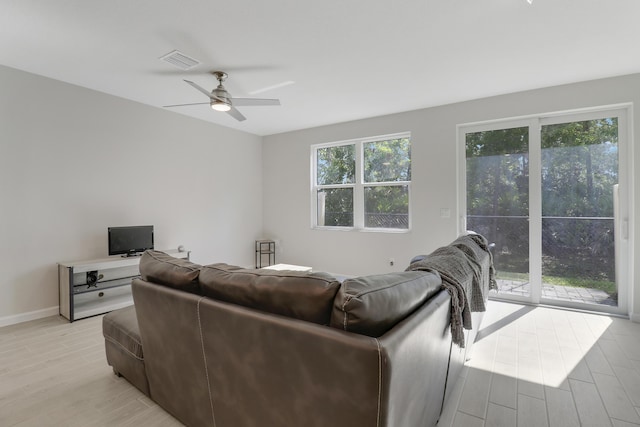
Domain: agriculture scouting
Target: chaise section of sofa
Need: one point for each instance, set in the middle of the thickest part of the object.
(123, 346)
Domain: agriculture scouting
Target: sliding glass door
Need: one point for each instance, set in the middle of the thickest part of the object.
(546, 193)
(580, 174)
(497, 180)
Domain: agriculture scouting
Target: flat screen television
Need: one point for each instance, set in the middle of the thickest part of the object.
(130, 241)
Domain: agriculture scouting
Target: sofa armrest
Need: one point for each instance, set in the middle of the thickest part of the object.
(416, 354)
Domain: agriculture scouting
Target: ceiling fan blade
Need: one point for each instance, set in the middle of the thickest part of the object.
(236, 114)
(200, 88)
(272, 87)
(184, 105)
(203, 90)
(247, 102)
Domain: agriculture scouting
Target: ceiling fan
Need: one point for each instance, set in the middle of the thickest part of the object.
(221, 100)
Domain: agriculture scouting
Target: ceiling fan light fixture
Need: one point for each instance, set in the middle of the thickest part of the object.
(221, 100)
(220, 106)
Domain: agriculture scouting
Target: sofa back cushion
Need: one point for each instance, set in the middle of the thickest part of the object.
(298, 294)
(371, 305)
(178, 273)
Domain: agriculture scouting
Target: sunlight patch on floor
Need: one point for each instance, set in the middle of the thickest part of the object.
(538, 345)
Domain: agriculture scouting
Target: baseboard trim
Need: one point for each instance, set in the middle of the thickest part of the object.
(31, 315)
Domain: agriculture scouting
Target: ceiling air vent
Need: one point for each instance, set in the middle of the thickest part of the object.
(180, 60)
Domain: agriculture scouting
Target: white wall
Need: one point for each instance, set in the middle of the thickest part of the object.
(75, 161)
(286, 171)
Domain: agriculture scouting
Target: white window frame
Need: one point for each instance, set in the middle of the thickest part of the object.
(358, 186)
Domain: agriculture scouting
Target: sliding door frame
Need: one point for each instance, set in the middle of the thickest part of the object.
(623, 225)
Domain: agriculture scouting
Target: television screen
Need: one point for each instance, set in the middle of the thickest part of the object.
(130, 240)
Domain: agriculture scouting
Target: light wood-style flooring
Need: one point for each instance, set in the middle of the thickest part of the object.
(530, 367)
(55, 373)
(536, 366)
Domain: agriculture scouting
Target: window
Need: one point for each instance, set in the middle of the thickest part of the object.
(362, 184)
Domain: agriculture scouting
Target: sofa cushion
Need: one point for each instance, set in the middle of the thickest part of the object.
(179, 273)
(123, 346)
(298, 294)
(121, 328)
(371, 305)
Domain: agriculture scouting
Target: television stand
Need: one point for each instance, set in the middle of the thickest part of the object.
(97, 286)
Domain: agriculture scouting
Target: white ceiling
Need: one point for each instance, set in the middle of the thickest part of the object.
(349, 59)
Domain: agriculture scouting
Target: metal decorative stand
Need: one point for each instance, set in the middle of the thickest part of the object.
(265, 253)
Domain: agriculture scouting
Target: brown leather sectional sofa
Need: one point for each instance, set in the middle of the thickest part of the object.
(224, 346)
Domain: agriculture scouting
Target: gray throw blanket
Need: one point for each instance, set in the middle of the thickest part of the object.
(466, 268)
(476, 248)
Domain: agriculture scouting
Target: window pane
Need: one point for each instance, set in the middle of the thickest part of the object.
(386, 207)
(498, 201)
(386, 161)
(579, 174)
(498, 172)
(335, 207)
(579, 168)
(336, 165)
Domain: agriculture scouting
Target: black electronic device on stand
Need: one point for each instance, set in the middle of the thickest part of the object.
(130, 241)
